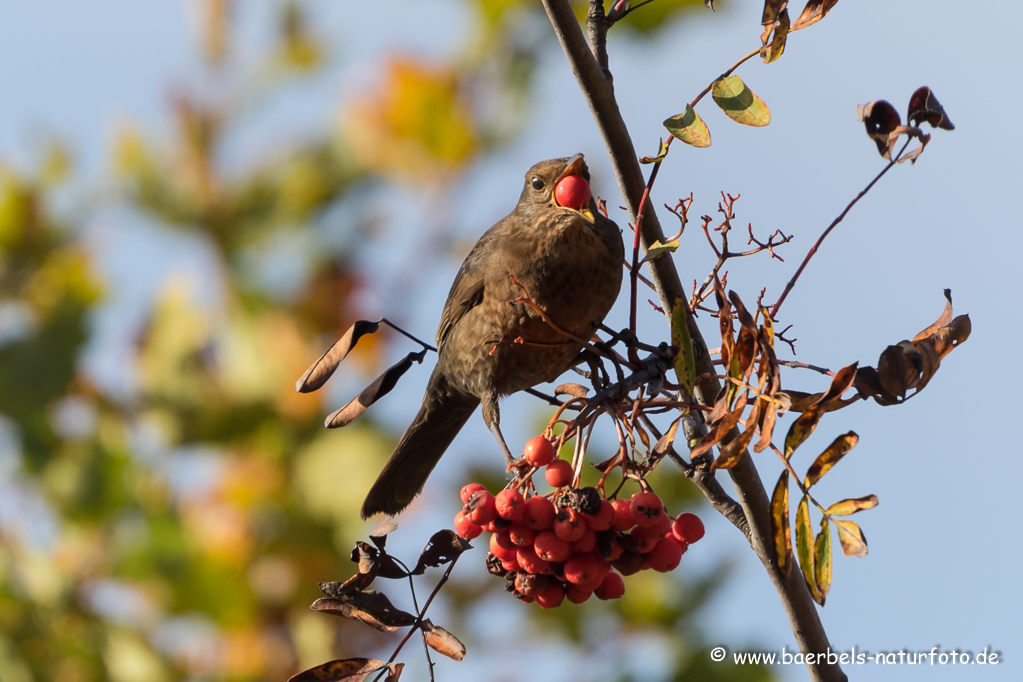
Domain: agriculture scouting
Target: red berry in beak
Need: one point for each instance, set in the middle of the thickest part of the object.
(572, 192)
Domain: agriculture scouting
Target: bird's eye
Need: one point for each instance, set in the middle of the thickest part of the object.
(537, 183)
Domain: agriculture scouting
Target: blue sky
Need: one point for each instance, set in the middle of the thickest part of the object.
(945, 539)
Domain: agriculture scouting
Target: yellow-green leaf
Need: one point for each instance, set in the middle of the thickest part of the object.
(852, 539)
(739, 103)
(805, 548)
(851, 506)
(830, 457)
(658, 247)
(781, 532)
(822, 560)
(801, 429)
(685, 363)
(662, 151)
(689, 128)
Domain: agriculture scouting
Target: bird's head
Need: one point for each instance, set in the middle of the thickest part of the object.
(562, 183)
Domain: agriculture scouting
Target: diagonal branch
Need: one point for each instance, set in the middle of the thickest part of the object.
(596, 87)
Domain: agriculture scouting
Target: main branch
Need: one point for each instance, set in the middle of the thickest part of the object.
(596, 87)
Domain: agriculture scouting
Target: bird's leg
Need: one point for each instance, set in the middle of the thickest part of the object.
(492, 417)
(495, 428)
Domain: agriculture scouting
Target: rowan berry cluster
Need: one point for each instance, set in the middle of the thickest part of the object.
(572, 543)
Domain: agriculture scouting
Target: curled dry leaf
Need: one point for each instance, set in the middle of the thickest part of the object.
(925, 107)
(443, 546)
(379, 535)
(388, 621)
(731, 454)
(662, 151)
(813, 12)
(323, 368)
(881, 120)
(910, 365)
(777, 32)
(442, 641)
(378, 389)
(348, 670)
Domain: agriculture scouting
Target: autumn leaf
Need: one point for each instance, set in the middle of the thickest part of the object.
(781, 531)
(685, 362)
(689, 128)
(830, 457)
(372, 393)
(851, 506)
(852, 539)
(805, 548)
(739, 103)
(822, 560)
(322, 369)
(442, 641)
(812, 13)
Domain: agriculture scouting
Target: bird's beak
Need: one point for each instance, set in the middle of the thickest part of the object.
(574, 167)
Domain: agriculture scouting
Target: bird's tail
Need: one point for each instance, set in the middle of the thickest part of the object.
(442, 416)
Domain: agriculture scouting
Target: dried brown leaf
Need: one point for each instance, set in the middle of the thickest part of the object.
(443, 547)
(925, 107)
(442, 641)
(378, 389)
(348, 670)
(812, 13)
(372, 608)
(852, 539)
(322, 369)
(881, 120)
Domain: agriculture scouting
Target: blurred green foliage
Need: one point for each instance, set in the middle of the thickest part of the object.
(178, 532)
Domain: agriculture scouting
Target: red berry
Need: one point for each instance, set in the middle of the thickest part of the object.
(521, 535)
(629, 563)
(687, 528)
(501, 552)
(623, 515)
(569, 525)
(642, 539)
(468, 489)
(539, 513)
(510, 566)
(603, 519)
(530, 562)
(504, 539)
(558, 473)
(572, 192)
(552, 595)
(586, 542)
(466, 528)
(550, 547)
(510, 504)
(666, 555)
(612, 587)
(583, 568)
(480, 508)
(647, 508)
(663, 527)
(538, 451)
(577, 594)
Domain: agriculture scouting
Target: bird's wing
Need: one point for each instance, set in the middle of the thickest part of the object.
(467, 289)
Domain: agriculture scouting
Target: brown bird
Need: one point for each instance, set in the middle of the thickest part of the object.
(568, 260)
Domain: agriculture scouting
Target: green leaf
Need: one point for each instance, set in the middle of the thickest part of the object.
(822, 560)
(805, 548)
(685, 362)
(740, 103)
(830, 457)
(689, 128)
(781, 531)
(851, 506)
(852, 539)
(662, 151)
